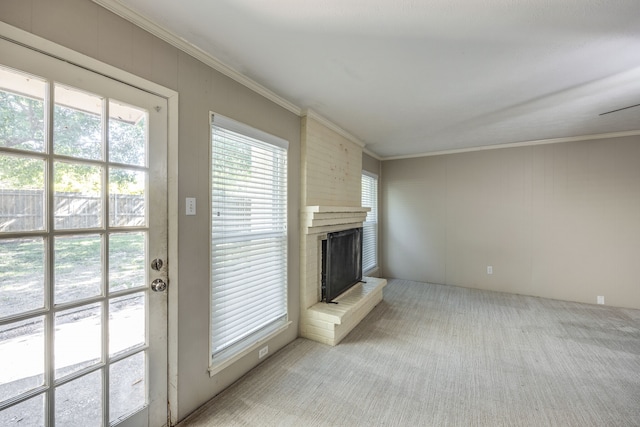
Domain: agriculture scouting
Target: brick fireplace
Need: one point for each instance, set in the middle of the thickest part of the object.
(331, 201)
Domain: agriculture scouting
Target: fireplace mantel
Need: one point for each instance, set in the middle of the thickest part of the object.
(325, 219)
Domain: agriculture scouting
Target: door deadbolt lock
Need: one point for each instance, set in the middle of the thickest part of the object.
(158, 285)
(156, 264)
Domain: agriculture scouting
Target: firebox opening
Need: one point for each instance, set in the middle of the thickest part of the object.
(341, 262)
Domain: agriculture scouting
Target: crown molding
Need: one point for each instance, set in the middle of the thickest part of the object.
(152, 27)
(372, 154)
(173, 39)
(334, 127)
(520, 144)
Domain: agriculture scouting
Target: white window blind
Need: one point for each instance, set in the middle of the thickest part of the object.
(370, 226)
(248, 235)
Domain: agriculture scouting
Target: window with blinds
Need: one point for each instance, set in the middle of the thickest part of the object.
(370, 226)
(248, 235)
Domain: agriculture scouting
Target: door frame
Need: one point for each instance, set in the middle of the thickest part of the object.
(47, 47)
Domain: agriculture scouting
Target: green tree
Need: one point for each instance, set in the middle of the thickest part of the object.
(21, 122)
(21, 127)
(76, 133)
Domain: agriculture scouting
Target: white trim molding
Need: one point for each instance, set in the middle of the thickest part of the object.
(173, 39)
(54, 50)
(178, 42)
(520, 144)
(125, 12)
(371, 153)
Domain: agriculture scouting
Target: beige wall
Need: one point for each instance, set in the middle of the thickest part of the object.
(371, 164)
(559, 221)
(89, 29)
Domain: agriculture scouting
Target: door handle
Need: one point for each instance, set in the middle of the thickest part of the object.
(158, 285)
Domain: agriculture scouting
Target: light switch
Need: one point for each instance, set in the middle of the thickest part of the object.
(191, 205)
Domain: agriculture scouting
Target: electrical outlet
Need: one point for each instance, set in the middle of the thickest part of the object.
(600, 299)
(263, 352)
(489, 269)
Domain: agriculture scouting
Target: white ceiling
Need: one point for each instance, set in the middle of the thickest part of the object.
(417, 76)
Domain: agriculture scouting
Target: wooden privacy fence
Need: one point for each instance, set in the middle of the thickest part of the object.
(23, 210)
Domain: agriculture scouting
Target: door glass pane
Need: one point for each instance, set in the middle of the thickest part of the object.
(127, 387)
(79, 402)
(126, 323)
(127, 197)
(77, 124)
(127, 134)
(29, 413)
(21, 357)
(126, 261)
(21, 275)
(77, 267)
(21, 111)
(78, 196)
(21, 193)
(78, 338)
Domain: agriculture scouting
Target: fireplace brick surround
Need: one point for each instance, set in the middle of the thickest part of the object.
(330, 323)
(331, 201)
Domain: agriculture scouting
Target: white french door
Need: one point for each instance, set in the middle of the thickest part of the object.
(83, 243)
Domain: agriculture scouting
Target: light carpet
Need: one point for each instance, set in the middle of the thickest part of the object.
(433, 355)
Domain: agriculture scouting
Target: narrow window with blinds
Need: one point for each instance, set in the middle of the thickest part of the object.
(370, 226)
(248, 236)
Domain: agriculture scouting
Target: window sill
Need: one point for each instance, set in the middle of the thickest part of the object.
(223, 364)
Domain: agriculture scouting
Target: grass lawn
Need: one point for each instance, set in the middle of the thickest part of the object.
(78, 264)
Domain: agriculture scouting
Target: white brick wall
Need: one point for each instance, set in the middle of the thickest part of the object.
(331, 167)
